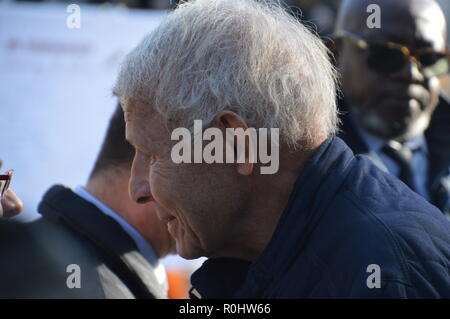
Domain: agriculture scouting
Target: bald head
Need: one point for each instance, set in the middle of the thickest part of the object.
(400, 20)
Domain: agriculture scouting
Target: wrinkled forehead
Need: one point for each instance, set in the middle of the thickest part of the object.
(414, 23)
(144, 124)
(138, 114)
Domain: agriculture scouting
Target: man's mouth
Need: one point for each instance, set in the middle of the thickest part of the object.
(167, 218)
(170, 218)
(171, 222)
(164, 216)
(172, 226)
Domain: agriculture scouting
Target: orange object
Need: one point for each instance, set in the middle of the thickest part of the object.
(178, 284)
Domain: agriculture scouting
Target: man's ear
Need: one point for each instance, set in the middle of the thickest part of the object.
(229, 119)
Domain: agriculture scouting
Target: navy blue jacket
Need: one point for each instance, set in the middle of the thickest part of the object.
(344, 214)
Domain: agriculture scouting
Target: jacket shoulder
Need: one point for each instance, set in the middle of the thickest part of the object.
(43, 260)
(380, 221)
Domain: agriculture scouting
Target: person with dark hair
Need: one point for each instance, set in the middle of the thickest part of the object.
(393, 108)
(92, 242)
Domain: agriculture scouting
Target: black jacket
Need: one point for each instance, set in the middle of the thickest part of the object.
(438, 143)
(34, 257)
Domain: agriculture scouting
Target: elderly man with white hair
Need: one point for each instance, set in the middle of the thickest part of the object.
(324, 224)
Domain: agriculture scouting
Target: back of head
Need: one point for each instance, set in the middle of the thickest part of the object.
(250, 57)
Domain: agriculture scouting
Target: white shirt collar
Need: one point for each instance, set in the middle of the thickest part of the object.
(144, 247)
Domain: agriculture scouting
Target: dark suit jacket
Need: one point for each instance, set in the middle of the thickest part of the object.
(438, 142)
(34, 257)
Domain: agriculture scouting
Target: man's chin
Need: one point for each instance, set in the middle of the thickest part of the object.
(186, 252)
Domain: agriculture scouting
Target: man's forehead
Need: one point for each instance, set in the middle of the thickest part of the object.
(414, 23)
(143, 120)
(415, 32)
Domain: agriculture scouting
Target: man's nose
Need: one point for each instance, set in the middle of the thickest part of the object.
(410, 72)
(139, 186)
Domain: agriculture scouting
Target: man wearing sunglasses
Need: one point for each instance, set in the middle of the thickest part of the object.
(393, 109)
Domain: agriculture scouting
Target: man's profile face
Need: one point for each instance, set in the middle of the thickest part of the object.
(199, 202)
(398, 105)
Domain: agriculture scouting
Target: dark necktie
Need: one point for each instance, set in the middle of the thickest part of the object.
(402, 156)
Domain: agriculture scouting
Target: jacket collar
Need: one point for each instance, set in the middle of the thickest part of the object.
(62, 205)
(218, 278)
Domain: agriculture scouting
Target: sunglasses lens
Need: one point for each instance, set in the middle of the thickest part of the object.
(429, 59)
(385, 60)
(437, 65)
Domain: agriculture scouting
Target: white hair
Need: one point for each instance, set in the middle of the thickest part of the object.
(249, 57)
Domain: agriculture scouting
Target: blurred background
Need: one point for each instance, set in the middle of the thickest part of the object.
(55, 88)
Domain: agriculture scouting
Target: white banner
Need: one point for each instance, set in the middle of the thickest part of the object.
(55, 89)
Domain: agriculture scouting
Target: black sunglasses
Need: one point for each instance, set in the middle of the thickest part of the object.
(390, 57)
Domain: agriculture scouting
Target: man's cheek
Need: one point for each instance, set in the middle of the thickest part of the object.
(164, 190)
(157, 187)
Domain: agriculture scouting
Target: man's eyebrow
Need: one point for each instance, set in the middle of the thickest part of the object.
(127, 107)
